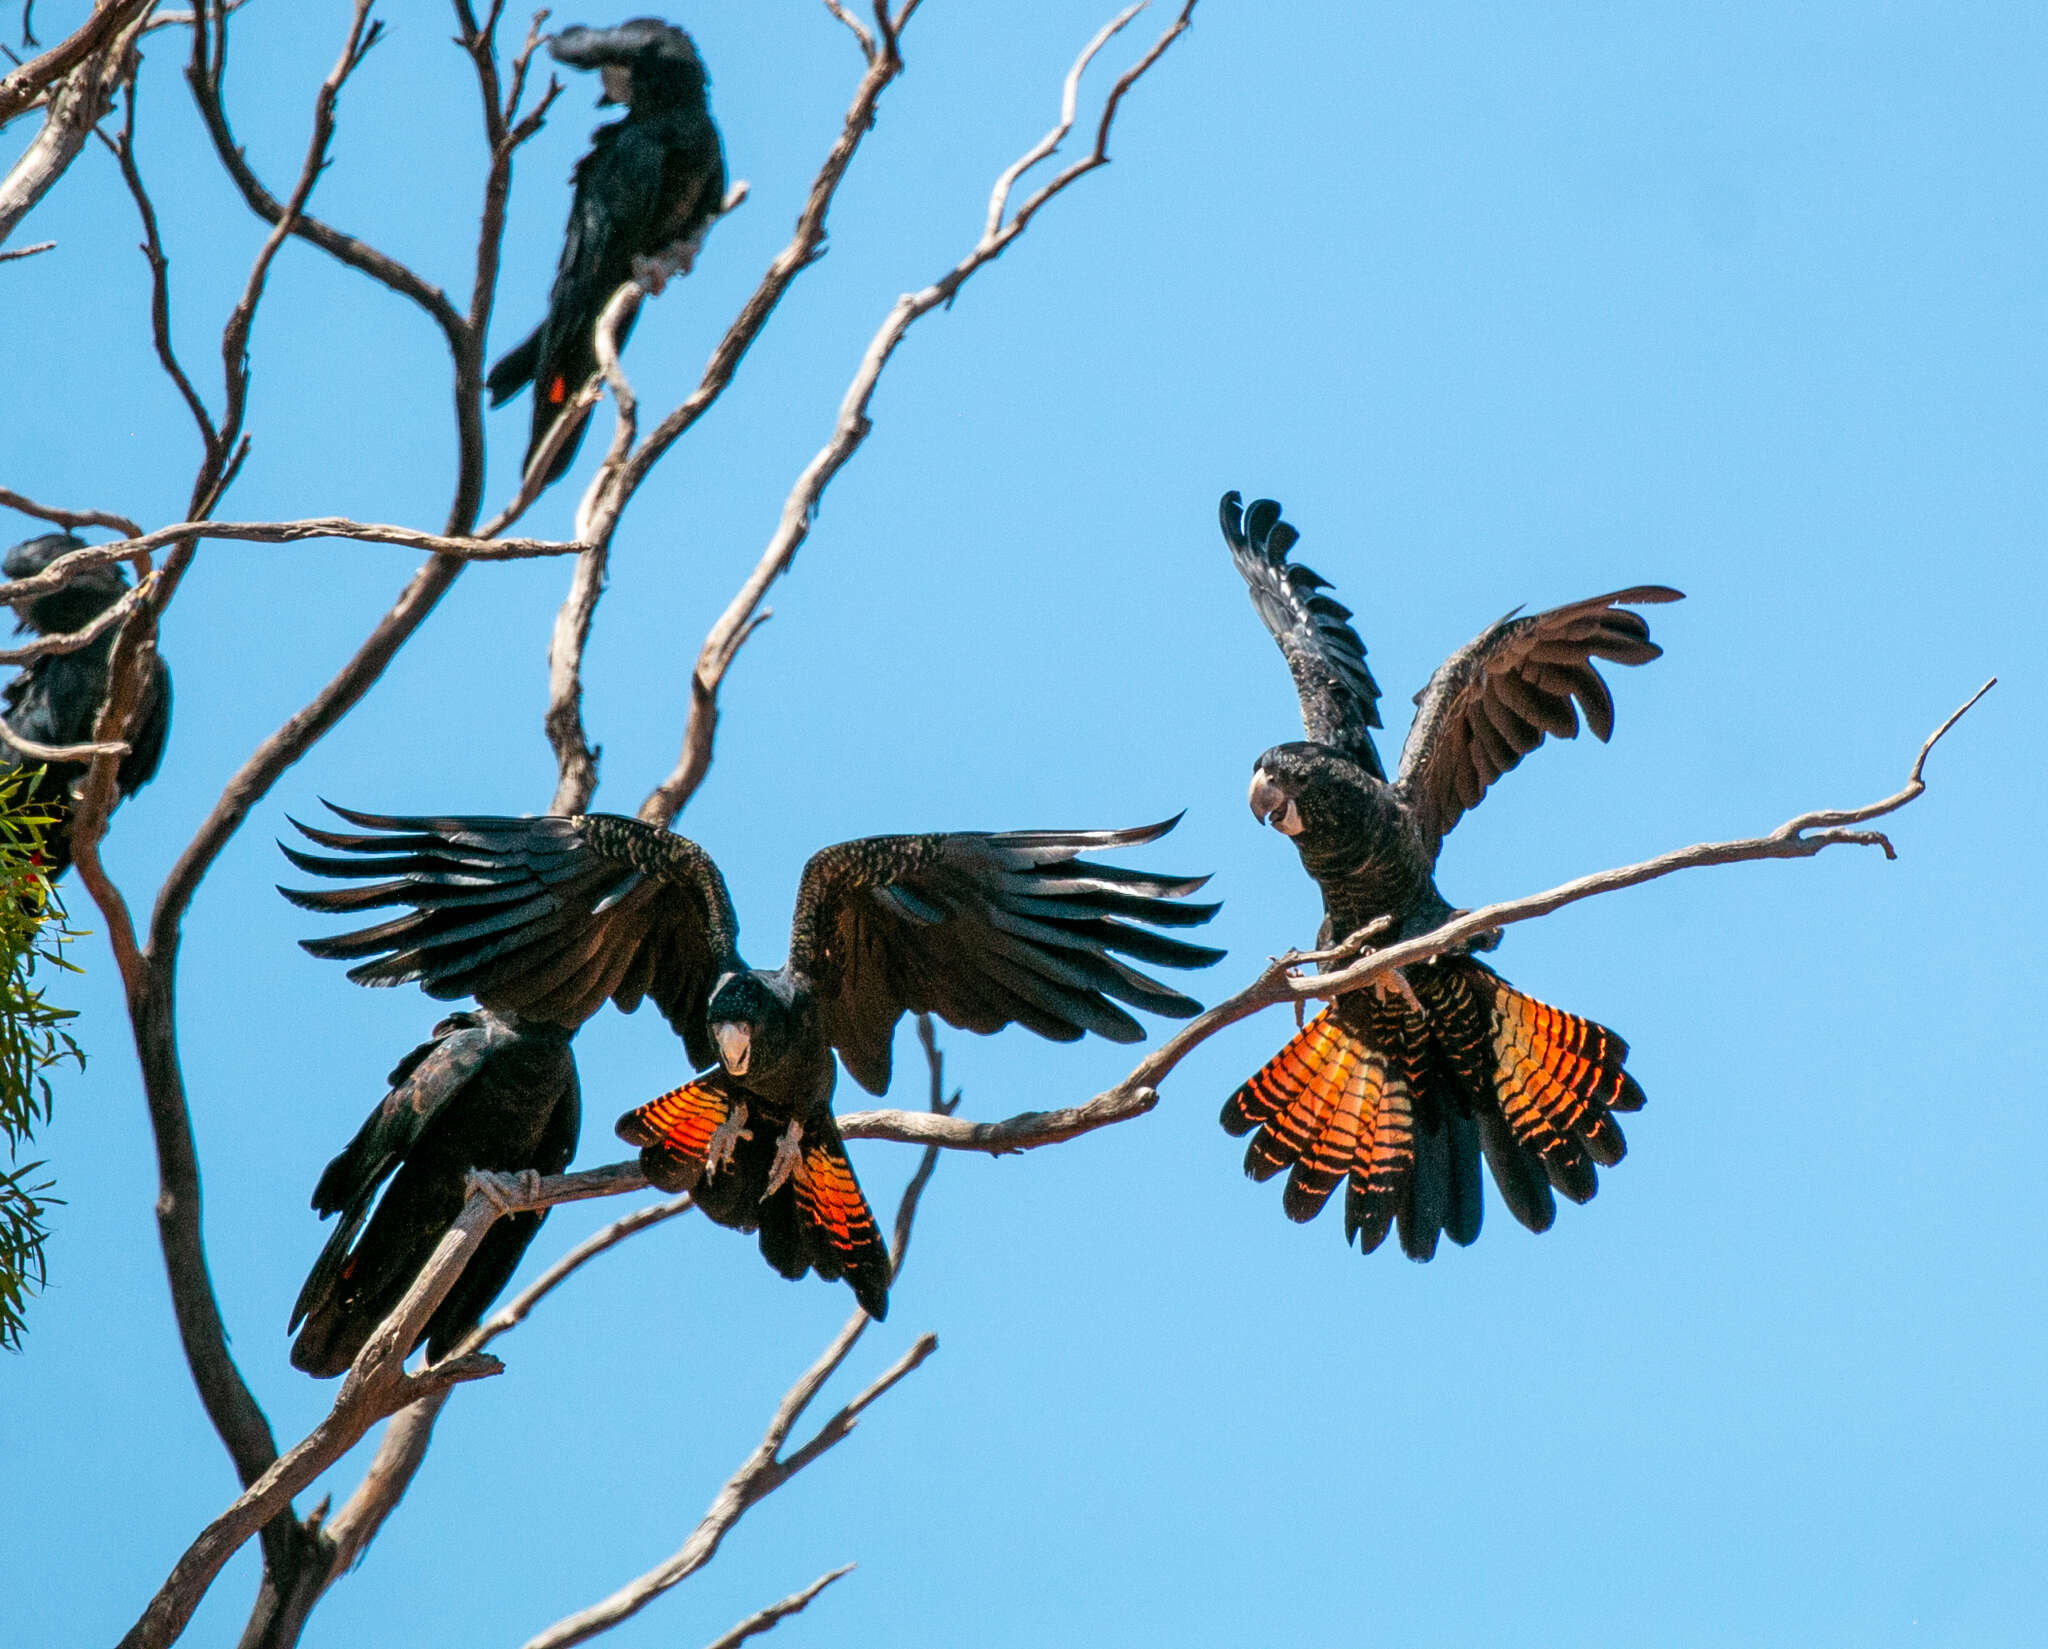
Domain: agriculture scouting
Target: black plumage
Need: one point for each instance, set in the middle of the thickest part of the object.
(489, 1092)
(1402, 1087)
(57, 698)
(650, 186)
(549, 917)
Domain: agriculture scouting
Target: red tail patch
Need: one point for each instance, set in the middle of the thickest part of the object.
(674, 1131)
(839, 1227)
(1557, 1078)
(1333, 1102)
(558, 390)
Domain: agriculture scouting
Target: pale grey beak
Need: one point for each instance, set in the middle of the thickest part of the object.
(735, 1047)
(618, 83)
(1272, 805)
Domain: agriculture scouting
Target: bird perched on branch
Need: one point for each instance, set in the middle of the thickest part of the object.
(488, 1091)
(645, 194)
(1403, 1085)
(549, 917)
(57, 699)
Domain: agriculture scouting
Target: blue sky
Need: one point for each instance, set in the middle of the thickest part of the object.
(1506, 305)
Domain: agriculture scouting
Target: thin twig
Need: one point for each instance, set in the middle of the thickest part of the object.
(160, 284)
(768, 1467)
(408, 1433)
(765, 1619)
(69, 518)
(27, 83)
(71, 641)
(69, 566)
(206, 75)
(740, 618)
(12, 253)
(35, 752)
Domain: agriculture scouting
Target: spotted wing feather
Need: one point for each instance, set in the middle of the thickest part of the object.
(1496, 699)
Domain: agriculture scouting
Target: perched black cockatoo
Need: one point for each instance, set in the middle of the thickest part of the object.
(57, 698)
(1403, 1085)
(488, 1091)
(650, 186)
(547, 917)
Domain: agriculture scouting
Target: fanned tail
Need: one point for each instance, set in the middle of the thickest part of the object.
(1552, 1080)
(817, 1220)
(1402, 1098)
(1355, 1095)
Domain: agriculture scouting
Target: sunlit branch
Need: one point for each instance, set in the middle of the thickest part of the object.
(744, 613)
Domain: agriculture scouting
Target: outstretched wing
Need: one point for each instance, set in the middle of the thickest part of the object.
(1491, 702)
(988, 931)
(541, 917)
(1339, 698)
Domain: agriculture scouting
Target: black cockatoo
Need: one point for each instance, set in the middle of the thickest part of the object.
(57, 698)
(548, 917)
(1405, 1084)
(488, 1091)
(650, 186)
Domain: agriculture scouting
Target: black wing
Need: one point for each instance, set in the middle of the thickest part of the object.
(987, 931)
(1491, 702)
(540, 917)
(1339, 698)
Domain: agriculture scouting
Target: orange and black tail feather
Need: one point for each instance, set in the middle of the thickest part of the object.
(1360, 1100)
(1405, 1104)
(674, 1131)
(1543, 1083)
(840, 1236)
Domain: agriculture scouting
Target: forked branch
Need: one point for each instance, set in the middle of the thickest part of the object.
(744, 613)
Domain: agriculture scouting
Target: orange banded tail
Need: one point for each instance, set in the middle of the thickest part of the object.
(840, 1236)
(1338, 1100)
(1554, 1080)
(674, 1131)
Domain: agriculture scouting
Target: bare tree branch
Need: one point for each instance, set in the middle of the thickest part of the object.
(76, 103)
(148, 976)
(160, 283)
(109, 19)
(741, 616)
(18, 252)
(206, 75)
(375, 1386)
(35, 752)
(68, 518)
(775, 1613)
(767, 1468)
(72, 641)
(69, 566)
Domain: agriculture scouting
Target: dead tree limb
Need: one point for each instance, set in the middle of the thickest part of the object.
(795, 1604)
(744, 614)
(77, 79)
